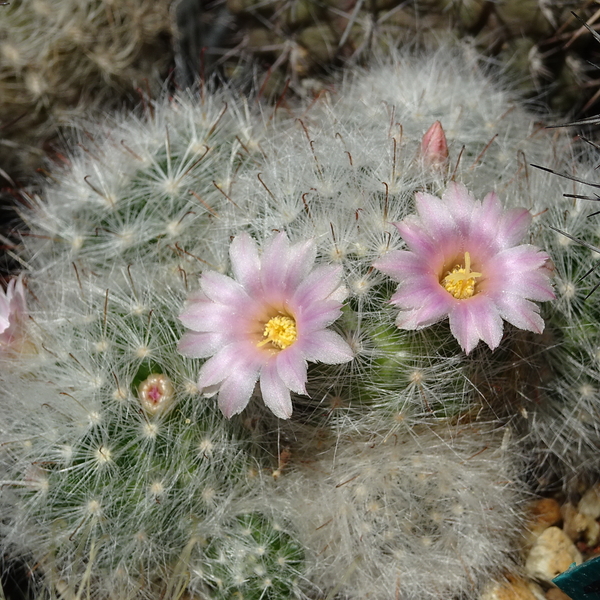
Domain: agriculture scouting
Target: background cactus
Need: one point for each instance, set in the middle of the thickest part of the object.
(61, 60)
(64, 60)
(542, 47)
(123, 481)
(422, 515)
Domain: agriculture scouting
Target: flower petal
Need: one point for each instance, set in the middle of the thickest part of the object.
(417, 239)
(274, 263)
(4, 312)
(399, 264)
(317, 316)
(245, 262)
(222, 289)
(235, 392)
(300, 262)
(484, 226)
(513, 226)
(519, 259)
(291, 368)
(519, 271)
(209, 316)
(326, 346)
(200, 345)
(475, 319)
(418, 292)
(520, 312)
(460, 203)
(318, 286)
(435, 216)
(431, 309)
(217, 368)
(275, 393)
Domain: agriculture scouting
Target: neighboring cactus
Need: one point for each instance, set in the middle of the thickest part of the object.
(250, 557)
(127, 463)
(541, 47)
(124, 480)
(565, 412)
(154, 188)
(61, 59)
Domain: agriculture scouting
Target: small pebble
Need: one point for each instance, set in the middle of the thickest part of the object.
(546, 512)
(543, 513)
(578, 525)
(552, 554)
(589, 504)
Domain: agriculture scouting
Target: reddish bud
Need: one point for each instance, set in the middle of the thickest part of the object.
(155, 393)
(434, 147)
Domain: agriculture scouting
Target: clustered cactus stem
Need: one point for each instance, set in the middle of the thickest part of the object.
(243, 360)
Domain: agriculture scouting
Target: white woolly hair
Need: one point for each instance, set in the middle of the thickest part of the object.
(427, 515)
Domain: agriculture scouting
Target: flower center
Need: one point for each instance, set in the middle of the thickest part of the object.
(460, 282)
(280, 331)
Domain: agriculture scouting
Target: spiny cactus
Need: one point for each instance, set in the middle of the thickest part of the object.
(126, 462)
(252, 556)
(541, 47)
(211, 244)
(154, 188)
(63, 59)
(421, 515)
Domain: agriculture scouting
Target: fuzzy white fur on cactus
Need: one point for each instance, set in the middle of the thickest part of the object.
(417, 516)
(124, 479)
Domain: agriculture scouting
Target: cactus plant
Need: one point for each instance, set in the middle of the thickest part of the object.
(148, 308)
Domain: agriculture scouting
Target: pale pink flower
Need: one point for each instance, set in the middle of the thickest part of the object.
(13, 311)
(264, 324)
(463, 263)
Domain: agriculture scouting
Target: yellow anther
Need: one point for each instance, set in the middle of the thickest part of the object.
(460, 282)
(279, 331)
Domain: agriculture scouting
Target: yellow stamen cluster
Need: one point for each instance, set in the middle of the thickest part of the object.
(280, 331)
(460, 282)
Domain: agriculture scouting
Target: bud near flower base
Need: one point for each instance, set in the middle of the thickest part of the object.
(265, 323)
(463, 263)
(155, 393)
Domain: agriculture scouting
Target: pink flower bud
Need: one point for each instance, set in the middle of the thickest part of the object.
(434, 147)
(13, 313)
(155, 393)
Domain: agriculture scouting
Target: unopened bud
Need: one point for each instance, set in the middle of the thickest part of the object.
(434, 147)
(155, 393)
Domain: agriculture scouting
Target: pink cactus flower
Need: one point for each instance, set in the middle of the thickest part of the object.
(464, 263)
(264, 324)
(13, 310)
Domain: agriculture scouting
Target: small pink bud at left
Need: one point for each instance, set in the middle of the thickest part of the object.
(155, 393)
(434, 147)
(13, 319)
